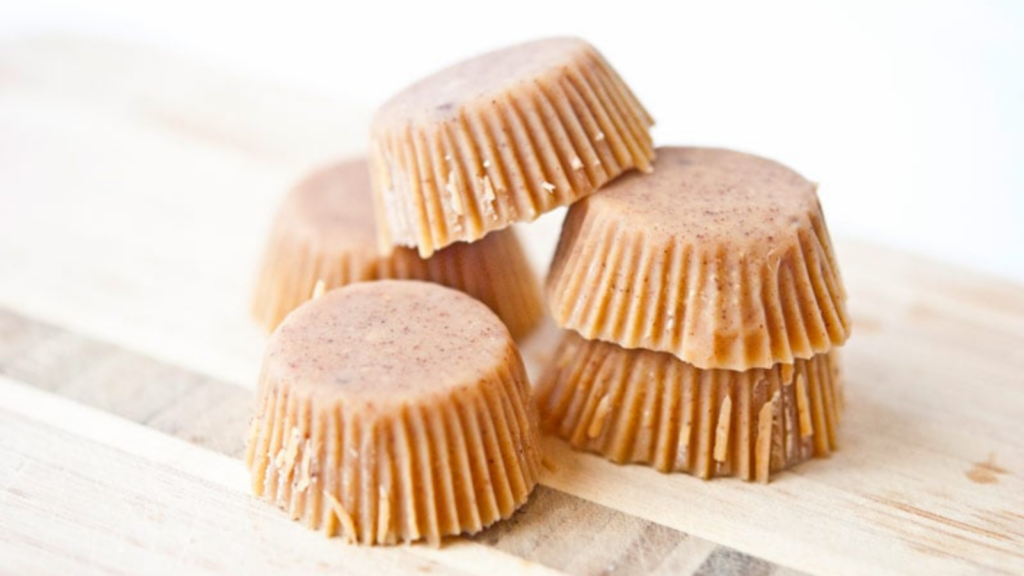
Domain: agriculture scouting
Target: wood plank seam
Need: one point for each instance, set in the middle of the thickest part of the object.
(212, 414)
(156, 456)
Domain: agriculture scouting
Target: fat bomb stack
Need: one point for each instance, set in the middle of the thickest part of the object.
(395, 411)
(702, 304)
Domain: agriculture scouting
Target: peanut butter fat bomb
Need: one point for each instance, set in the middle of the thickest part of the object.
(394, 411)
(718, 257)
(324, 232)
(501, 138)
(651, 408)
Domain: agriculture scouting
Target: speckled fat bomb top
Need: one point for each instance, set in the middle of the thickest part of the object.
(501, 138)
(394, 411)
(718, 257)
(324, 232)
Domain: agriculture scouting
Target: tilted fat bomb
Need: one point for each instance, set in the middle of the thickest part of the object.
(501, 138)
(394, 411)
(652, 408)
(718, 257)
(325, 232)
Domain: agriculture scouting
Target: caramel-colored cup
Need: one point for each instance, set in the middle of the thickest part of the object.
(651, 408)
(502, 138)
(394, 411)
(720, 258)
(325, 233)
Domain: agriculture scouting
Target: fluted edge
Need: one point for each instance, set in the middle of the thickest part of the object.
(493, 270)
(292, 266)
(712, 305)
(422, 472)
(650, 408)
(512, 158)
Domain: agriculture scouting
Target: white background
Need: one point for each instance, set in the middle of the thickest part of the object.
(910, 115)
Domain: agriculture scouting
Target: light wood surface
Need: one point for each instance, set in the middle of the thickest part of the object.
(135, 191)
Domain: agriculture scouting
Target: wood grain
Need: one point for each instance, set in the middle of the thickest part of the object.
(555, 529)
(165, 506)
(135, 190)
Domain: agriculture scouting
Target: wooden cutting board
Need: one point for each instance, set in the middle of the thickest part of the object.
(135, 192)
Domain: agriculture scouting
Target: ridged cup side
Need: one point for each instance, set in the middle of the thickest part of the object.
(710, 304)
(453, 465)
(651, 408)
(507, 156)
(493, 270)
